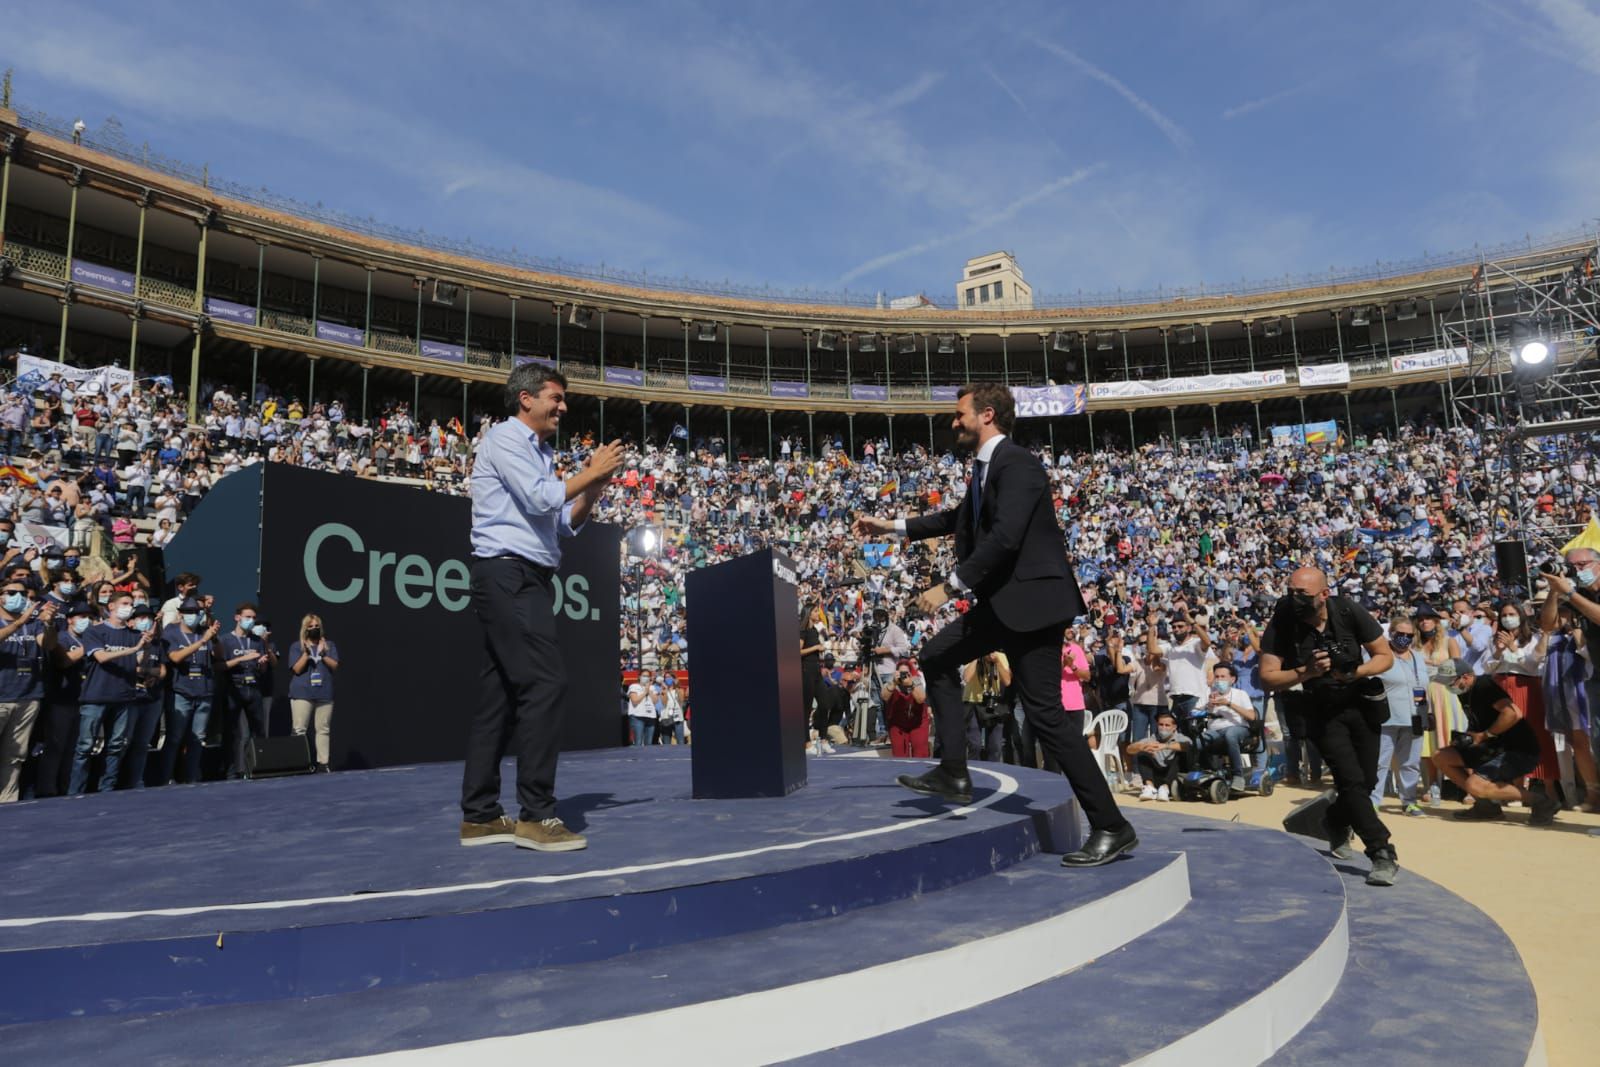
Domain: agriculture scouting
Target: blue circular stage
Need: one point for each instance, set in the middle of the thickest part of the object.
(336, 917)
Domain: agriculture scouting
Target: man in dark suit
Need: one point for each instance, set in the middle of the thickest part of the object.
(1013, 561)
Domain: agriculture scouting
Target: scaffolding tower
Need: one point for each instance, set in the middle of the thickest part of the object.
(1539, 426)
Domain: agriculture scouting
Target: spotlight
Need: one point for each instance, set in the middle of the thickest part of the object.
(1531, 347)
(1184, 335)
(866, 342)
(947, 343)
(445, 293)
(1061, 341)
(644, 542)
(1533, 353)
(580, 317)
(705, 331)
(1272, 328)
(1104, 340)
(907, 344)
(1405, 310)
(1361, 316)
(826, 340)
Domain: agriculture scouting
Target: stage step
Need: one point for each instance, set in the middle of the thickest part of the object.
(1431, 980)
(1228, 981)
(749, 998)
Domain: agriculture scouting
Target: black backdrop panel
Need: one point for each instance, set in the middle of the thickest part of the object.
(387, 569)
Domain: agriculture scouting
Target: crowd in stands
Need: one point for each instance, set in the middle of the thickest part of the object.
(1168, 538)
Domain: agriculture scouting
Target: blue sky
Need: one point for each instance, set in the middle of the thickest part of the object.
(871, 145)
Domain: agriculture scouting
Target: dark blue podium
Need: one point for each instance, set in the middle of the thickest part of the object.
(744, 642)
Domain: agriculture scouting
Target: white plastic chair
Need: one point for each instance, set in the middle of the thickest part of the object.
(1112, 725)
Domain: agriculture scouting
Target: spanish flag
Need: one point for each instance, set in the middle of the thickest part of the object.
(455, 426)
(19, 474)
(890, 488)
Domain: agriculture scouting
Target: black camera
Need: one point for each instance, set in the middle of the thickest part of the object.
(1340, 661)
(1463, 740)
(1556, 566)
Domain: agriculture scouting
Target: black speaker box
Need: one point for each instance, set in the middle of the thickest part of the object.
(1511, 564)
(1309, 818)
(277, 757)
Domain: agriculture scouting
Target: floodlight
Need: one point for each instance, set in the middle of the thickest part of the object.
(866, 342)
(826, 340)
(947, 343)
(705, 331)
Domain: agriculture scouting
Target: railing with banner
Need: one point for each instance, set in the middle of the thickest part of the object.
(1203, 383)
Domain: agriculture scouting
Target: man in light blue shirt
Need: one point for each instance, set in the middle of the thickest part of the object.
(521, 509)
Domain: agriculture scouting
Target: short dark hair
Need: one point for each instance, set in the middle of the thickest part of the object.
(1225, 666)
(529, 378)
(992, 395)
(186, 578)
(246, 606)
(1166, 713)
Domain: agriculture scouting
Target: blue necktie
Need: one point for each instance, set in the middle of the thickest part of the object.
(977, 493)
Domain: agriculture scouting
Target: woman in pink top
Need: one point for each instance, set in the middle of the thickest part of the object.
(1074, 672)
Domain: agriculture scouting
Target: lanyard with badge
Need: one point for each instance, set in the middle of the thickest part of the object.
(314, 675)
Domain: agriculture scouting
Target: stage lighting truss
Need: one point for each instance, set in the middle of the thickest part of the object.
(644, 542)
(906, 344)
(947, 344)
(1272, 328)
(580, 317)
(1539, 320)
(445, 293)
(1062, 341)
(705, 331)
(866, 342)
(826, 340)
(1361, 316)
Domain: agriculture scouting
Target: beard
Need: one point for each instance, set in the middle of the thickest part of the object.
(967, 439)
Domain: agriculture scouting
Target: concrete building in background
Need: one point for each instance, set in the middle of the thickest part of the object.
(993, 281)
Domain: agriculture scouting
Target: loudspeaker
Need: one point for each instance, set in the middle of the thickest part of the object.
(278, 757)
(1511, 564)
(1309, 818)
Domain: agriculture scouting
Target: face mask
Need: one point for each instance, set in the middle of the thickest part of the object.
(259, 630)
(1427, 631)
(1164, 733)
(5, 536)
(71, 563)
(15, 602)
(1511, 622)
(190, 619)
(1585, 579)
(80, 624)
(67, 588)
(1463, 620)
(246, 625)
(314, 634)
(125, 612)
(1221, 685)
(142, 623)
(105, 598)
(1305, 606)
(1400, 642)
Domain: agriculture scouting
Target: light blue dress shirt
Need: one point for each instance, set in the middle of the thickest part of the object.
(519, 502)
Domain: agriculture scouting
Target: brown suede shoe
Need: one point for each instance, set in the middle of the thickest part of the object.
(500, 832)
(549, 835)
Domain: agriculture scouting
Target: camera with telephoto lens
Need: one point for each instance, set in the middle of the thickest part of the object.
(902, 680)
(1339, 659)
(1558, 567)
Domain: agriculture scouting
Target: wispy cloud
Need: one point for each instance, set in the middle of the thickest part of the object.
(1023, 107)
(1005, 214)
(1170, 130)
(1571, 32)
(1266, 101)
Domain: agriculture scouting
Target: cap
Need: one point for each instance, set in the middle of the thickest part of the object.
(52, 551)
(189, 604)
(636, 688)
(78, 607)
(143, 608)
(1463, 667)
(1425, 611)
(828, 658)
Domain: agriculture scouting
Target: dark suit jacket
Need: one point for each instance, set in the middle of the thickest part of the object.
(1017, 561)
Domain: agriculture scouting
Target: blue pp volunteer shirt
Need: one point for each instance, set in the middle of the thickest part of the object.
(317, 681)
(192, 678)
(113, 682)
(243, 674)
(21, 664)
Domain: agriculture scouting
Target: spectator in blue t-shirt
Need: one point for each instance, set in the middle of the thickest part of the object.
(62, 686)
(109, 695)
(150, 675)
(248, 656)
(312, 662)
(27, 631)
(193, 652)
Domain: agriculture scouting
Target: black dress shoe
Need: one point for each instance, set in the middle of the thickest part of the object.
(940, 783)
(1102, 847)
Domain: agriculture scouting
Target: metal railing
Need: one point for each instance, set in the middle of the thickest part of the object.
(37, 260)
(166, 293)
(111, 140)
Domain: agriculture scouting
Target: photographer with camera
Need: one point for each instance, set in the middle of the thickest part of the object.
(883, 646)
(985, 684)
(1496, 751)
(1315, 640)
(1576, 587)
(905, 709)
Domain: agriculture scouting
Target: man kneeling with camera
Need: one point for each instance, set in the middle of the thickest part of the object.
(1490, 758)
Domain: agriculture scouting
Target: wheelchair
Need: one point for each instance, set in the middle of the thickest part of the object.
(1210, 781)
